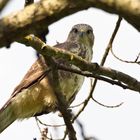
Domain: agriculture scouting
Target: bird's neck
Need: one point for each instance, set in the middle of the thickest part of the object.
(86, 52)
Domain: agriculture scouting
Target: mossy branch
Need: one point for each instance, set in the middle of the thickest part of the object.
(36, 17)
(92, 68)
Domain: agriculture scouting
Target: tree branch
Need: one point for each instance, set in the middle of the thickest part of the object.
(3, 3)
(93, 68)
(109, 46)
(28, 2)
(36, 17)
(87, 74)
(62, 104)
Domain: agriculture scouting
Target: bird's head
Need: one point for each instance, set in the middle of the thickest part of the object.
(82, 34)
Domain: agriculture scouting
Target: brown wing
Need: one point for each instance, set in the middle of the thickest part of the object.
(37, 70)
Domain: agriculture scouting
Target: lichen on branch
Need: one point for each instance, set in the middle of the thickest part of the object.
(36, 17)
(92, 68)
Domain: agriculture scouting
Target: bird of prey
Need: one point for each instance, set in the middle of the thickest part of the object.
(35, 94)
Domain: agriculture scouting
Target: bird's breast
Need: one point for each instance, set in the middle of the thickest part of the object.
(70, 84)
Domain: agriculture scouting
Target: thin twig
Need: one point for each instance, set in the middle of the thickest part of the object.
(41, 132)
(108, 106)
(73, 106)
(136, 60)
(109, 46)
(36, 119)
(49, 125)
(84, 137)
(126, 61)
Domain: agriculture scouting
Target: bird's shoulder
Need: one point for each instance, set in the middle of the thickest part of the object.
(67, 45)
(38, 69)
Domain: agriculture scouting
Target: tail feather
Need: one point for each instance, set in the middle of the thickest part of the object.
(7, 117)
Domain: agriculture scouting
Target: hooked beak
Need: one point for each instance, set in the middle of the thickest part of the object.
(81, 34)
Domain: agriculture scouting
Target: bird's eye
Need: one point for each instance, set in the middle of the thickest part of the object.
(89, 31)
(75, 30)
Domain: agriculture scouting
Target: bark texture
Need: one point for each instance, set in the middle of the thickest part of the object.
(36, 17)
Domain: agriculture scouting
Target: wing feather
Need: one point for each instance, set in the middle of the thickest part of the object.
(37, 71)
